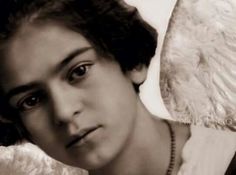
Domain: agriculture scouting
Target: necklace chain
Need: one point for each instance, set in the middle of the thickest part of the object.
(172, 149)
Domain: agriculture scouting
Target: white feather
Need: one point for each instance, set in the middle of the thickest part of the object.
(198, 63)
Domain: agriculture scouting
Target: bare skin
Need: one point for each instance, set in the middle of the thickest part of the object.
(80, 108)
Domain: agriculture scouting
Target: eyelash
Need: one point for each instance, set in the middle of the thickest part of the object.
(73, 76)
(36, 97)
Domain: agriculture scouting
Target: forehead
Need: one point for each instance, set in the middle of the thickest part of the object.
(33, 39)
(35, 47)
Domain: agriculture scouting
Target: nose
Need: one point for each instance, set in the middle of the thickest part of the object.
(65, 104)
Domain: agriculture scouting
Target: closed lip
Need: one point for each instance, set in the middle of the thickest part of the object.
(81, 134)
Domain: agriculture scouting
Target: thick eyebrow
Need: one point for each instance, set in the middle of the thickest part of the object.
(21, 89)
(63, 63)
(71, 56)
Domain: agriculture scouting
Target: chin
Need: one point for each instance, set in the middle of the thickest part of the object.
(92, 165)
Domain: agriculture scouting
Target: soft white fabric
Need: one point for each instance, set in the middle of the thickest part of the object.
(208, 152)
(27, 159)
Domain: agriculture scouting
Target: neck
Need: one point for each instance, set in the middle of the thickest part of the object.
(145, 152)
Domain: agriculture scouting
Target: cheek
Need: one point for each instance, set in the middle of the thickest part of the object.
(116, 110)
(112, 104)
(38, 125)
(112, 99)
(43, 134)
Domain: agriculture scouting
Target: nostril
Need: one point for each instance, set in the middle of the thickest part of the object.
(59, 123)
(76, 113)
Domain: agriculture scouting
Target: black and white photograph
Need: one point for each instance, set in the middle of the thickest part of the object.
(117, 87)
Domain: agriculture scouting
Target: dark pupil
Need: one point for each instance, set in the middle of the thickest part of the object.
(32, 101)
(80, 71)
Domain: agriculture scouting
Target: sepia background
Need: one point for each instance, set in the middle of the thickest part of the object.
(179, 100)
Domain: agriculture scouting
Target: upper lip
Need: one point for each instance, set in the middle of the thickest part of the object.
(81, 134)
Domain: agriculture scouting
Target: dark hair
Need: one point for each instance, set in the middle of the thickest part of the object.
(111, 26)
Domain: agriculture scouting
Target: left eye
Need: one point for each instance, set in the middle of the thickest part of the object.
(30, 102)
(78, 72)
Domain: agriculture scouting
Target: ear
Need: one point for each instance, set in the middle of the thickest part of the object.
(138, 75)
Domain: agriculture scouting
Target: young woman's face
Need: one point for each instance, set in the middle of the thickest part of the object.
(77, 106)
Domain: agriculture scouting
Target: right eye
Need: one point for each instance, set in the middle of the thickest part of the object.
(79, 72)
(30, 101)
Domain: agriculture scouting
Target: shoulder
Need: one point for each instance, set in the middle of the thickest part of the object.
(182, 131)
(208, 151)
